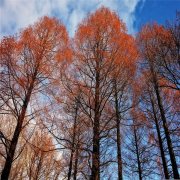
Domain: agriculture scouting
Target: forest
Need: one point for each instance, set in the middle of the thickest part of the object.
(102, 104)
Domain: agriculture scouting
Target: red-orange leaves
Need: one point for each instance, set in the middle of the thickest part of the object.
(153, 37)
(103, 26)
(103, 37)
(36, 54)
(127, 53)
(48, 36)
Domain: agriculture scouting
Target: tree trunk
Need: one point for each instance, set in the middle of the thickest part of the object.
(74, 139)
(70, 165)
(118, 133)
(166, 173)
(96, 141)
(95, 156)
(166, 130)
(137, 153)
(76, 162)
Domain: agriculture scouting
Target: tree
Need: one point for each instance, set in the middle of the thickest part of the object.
(41, 158)
(28, 64)
(97, 46)
(139, 151)
(148, 44)
(122, 78)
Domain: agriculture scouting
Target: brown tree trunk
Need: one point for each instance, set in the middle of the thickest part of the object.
(76, 162)
(95, 156)
(160, 142)
(118, 133)
(166, 130)
(70, 164)
(137, 153)
(73, 141)
(96, 141)
(10, 155)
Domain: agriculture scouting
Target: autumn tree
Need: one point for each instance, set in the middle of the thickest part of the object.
(73, 128)
(41, 158)
(122, 78)
(149, 49)
(148, 105)
(70, 128)
(139, 154)
(28, 64)
(96, 45)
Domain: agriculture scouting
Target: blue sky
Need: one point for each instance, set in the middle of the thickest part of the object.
(17, 14)
(156, 10)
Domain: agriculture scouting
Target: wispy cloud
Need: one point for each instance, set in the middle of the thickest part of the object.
(17, 14)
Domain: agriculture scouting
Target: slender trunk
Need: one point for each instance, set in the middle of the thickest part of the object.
(95, 156)
(96, 141)
(118, 133)
(73, 141)
(70, 164)
(137, 153)
(166, 130)
(76, 162)
(10, 155)
(166, 173)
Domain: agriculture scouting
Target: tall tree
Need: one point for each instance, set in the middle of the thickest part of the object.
(122, 77)
(148, 105)
(98, 44)
(29, 63)
(149, 50)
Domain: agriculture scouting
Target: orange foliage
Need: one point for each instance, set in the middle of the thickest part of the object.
(104, 33)
(154, 37)
(101, 23)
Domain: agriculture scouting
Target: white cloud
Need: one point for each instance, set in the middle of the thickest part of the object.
(16, 14)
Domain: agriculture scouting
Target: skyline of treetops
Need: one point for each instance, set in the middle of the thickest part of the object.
(101, 103)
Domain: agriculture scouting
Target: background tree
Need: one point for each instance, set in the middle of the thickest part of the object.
(148, 44)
